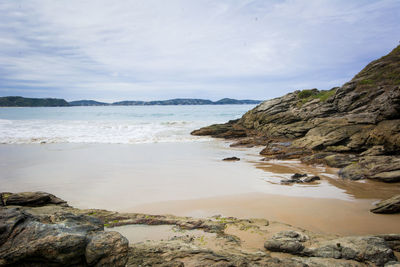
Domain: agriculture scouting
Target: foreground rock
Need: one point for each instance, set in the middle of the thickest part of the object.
(287, 241)
(355, 127)
(60, 235)
(362, 249)
(391, 205)
(31, 199)
(59, 239)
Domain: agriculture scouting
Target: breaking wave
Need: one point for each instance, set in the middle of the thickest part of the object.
(117, 125)
(50, 131)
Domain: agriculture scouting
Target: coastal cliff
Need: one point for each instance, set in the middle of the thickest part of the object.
(355, 127)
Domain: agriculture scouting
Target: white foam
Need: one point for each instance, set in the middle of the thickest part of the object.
(79, 131)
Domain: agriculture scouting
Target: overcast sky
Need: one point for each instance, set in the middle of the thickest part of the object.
(147, 50)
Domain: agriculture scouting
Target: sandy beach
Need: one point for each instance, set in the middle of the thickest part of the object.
(190, 179)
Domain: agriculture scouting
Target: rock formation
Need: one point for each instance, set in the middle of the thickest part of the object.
(355, 127)
(391, 205)
(51, 233)
(363, 249)
(36, 231)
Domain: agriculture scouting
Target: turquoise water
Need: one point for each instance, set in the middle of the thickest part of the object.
(111, 124)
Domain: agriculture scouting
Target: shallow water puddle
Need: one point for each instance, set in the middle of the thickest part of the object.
(140, 233)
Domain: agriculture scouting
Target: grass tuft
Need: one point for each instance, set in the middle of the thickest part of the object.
(308, 95)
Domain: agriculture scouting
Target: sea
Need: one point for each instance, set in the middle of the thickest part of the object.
(143, 159)
(111, 124)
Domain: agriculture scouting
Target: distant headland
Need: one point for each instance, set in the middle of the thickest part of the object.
(19, 101)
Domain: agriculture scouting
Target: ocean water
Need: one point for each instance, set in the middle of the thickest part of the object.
(111, 124)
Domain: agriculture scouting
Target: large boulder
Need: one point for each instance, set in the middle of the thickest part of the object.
(58, 239)
(107, 249)
(27, 240)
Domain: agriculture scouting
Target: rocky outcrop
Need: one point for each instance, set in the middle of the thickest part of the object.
(57, 239)
(60, 235)
(392, 240)
(31, 199)
(391, 205)
(355, 127)
(380, 168)
(362, 249)
(226, 130)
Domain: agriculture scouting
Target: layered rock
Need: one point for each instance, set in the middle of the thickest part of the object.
(391, 205)
(28, 238)
(355, 127)
(30, 199)
(362, 249)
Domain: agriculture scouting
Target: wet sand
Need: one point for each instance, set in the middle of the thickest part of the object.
(315, 214)
(191, 179)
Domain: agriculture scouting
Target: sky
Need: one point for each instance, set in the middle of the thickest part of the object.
(162, 49)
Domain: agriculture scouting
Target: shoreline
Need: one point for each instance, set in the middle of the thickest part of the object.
(253, 185)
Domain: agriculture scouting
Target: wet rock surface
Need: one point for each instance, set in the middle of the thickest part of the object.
(391, 205)
(311, 179)
(59, 235)
(31, 199)
(29, 237)
(300, 178)
(231, 159)
(355, 127)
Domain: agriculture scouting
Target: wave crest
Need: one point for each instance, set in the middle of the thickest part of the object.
(119, 132)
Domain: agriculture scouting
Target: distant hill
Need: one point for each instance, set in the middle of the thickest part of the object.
(129, 103)
(177, 101)
(88, 103)
(226, 101)
(18, 101)
(186, 101)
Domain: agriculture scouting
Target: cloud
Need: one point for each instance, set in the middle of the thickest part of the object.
(112, 50)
